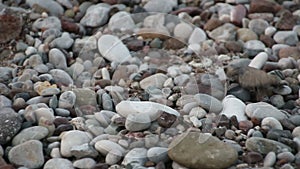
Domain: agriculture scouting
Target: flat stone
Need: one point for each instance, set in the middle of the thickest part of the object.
(67, 100)
(209, 103)
(157, 80)
(56, 163)
(198, 150)
(31, 133)
(47, 23)
(28, 154)
(113, 49)
(253, 47)
(246, 34)
(84, 163)
(153, 109)
(57, 58)
(157, 6)
(264, 146)
(258, 25)
(157, 154)
(286, 37)
(198, 35)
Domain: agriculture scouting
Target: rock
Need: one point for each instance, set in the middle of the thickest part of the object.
(226, 32)
(137, 122)
(10, 124)
(286, 21)
(5, 102)
(157, 80)
(264, 146)
(47, 23)
(183, 31)
(246, 34)
(84, 163)
(252, 157)
(84, 150)
(73, 138)
(233, 106)
(61, 77)
(286, 37)
(138, 155)
(63, 42)
(237, 14)
(197, 36)
(28, 154)
(253, 47)
(31, 133)
(56, 163)
(53, 7)
(121, 17)
(270, 159)
(198, 150)
(157, 154)
(166, 119)
(154, 110)
(105, 146)
(259, 60)
(261, 6)
(113, 49)
(157, 6)
(212, 24)
(208, 103)
(85, 96)
(260, 110)
(258, 25)
(96, 15)
(269, 123)
(67, 100)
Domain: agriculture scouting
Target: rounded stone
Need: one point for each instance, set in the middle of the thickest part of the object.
(28, 154)
(198, 150)
(233, 106)
(208, 103)
(67, 100)
(84, 163)
(264, 146)
(137, 155)
(10, 124)
(57, 163)
(57, 58)
(157, 154)
(286, 37)
(269, 123)
(270, 159)
(137, 122)
(31, 133)
(183, 31)
(105, 146)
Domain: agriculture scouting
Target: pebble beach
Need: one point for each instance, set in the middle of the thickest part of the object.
(149, 84)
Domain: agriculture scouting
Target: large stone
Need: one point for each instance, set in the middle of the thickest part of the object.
(264, 146)
(28, 154)
(197, 150)
(10, 124)
(31, 133)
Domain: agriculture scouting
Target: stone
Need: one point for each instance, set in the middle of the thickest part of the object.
(96, 15)
(233, 106)
(85, 96)
(260, 110)
(137, 122)
(286, 21)
(226, 32)
(254, 47)
(28, 154)
(252, 157)
(67, 100)
(209, 103)
(10, 124)
(157, 80)
(71, 139)
(154, 110)
(269, 123)
(270, 159)
(259, 60)
(246, 34)
(121, 17)
(61, 77)
(198, 150)
(5, 102)
(157, 6)
(47, 23)
(56, 163)
(258, 26)
(286, 37)
(198, 35)
(84, 150)
(237, 14)
(105, 146)
(261, 6)
(84, 163)
(53, 7)
(113, 49)
(157, 154)
(63, 42)
(264, 146)
(31, 133)
(166, 120)
(183, 31)
(138, 155)
(212, 24)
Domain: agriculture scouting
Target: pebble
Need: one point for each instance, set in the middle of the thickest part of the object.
(269, 123)
(121, 17)
(137, 122)
(258, 25)
(157, 154)
(31, 133)
(67, 100)
(245, 34)
(254, 47)
(61, 77)
(136, 155)
(264, 146)
(28, 154)
(259, 60)
(47, 23)
(10, 124)
(233, 106)
(53, 7)
(113, 49)
(96, 15)
(124, 108)
(214, 153)
(286, 156)
(157, 80)
(183, 31)
(5, 102)
(157, 6)
(260, 110)
(84, 163)
(286, 37)
(71, 139)
(270, 159)
(225, 32)
(63, 42)
(58, 163)
(197, 36)
(208, 103)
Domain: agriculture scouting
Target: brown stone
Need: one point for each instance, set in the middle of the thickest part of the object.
(237, 14)
(261, 6)
(267, 40)
(151, 33)
(252, 157)
(234, 46)
(289, 52)
(212, 24)
(173, 43)
(245, 125)
(166, 120)
(135, 45)
(70, 26)
(286, 21)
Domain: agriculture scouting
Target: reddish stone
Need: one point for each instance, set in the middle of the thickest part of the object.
(286, 21)
(10, 25)
(237, 14)
(262, 6)
(166, 120)
(70, 26)
(252, 157)
(212, 24)
(245, 125)
(289, 52)
(267, 40)
(111, 2)
(173, 43)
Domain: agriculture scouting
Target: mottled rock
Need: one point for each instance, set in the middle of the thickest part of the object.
(10, 124)
(264, 146)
